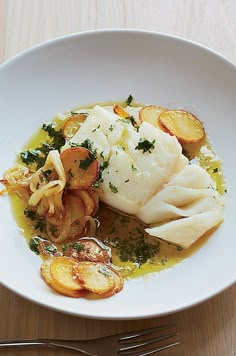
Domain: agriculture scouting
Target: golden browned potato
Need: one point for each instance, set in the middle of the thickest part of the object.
(185, 126)
(150, 114)
(72, 125)
(81, 167)
(88, 249)
(57, 272)
(119, 283)
(96, 277)
(121, 111)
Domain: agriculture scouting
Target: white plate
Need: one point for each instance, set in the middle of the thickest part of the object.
(109, 65)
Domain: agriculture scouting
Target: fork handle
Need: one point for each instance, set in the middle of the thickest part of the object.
(43, 343)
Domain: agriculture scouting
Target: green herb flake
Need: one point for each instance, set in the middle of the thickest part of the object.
(178, 248)
(46, 174)
(40, 225)
(96, 128)
(145, 145)
(85, 163)
(38, 155)
(215, 170)
(34, 245)
(31, 214)
(64, 247)
(51, 249)
(77, 246)
(113, 187)
(111, 128)
(129, 100)
(134, 168)
(105, 271)
(73, 113)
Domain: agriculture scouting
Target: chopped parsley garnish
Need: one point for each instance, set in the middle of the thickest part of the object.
(50, 248)
(38, 243)
(77, 246)
(135, 249)
(102, 166)
(31, 214)
(111, 128)
(127, 180)
(105, 164)
(105, 271)
(129, 100)
(40, 225)
(113, 187)
(46, 174)
(38, 155)
(145, 145)
(34, 245)
(215, 170)
(178, 248)
(40, 222)
(56, 135)
(86, 144)
(85, 163)
(133, 167)
(96, 128)
(73, 113)
(133, 122)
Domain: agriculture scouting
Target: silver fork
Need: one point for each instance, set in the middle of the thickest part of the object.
(136, 343)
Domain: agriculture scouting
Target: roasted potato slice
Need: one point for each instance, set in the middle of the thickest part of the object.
(72, 125)
(47, 276)
(88, 249)
(61, 269)
(96, 277)
(150, 114)
(81, 167)
(121, 111)
(119, 282)
(185, 126)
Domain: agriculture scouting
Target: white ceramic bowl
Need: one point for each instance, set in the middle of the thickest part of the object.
(109, 65)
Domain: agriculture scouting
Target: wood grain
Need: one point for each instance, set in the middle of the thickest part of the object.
(206, 329)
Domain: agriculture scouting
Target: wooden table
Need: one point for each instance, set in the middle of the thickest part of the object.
(207, 329)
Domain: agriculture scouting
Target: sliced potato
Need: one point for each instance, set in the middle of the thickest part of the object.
(61, 269)
(121, 111)
(96, 277)
(150, 114)
(119, 282)
(72, 125)
(47, 276)
(88, 249)
(185, 126)
(81, 167)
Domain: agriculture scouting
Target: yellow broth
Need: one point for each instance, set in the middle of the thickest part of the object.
(133, 251)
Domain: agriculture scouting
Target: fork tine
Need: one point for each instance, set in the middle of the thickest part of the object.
(146, 342)
(151, 352)
(135, 334)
